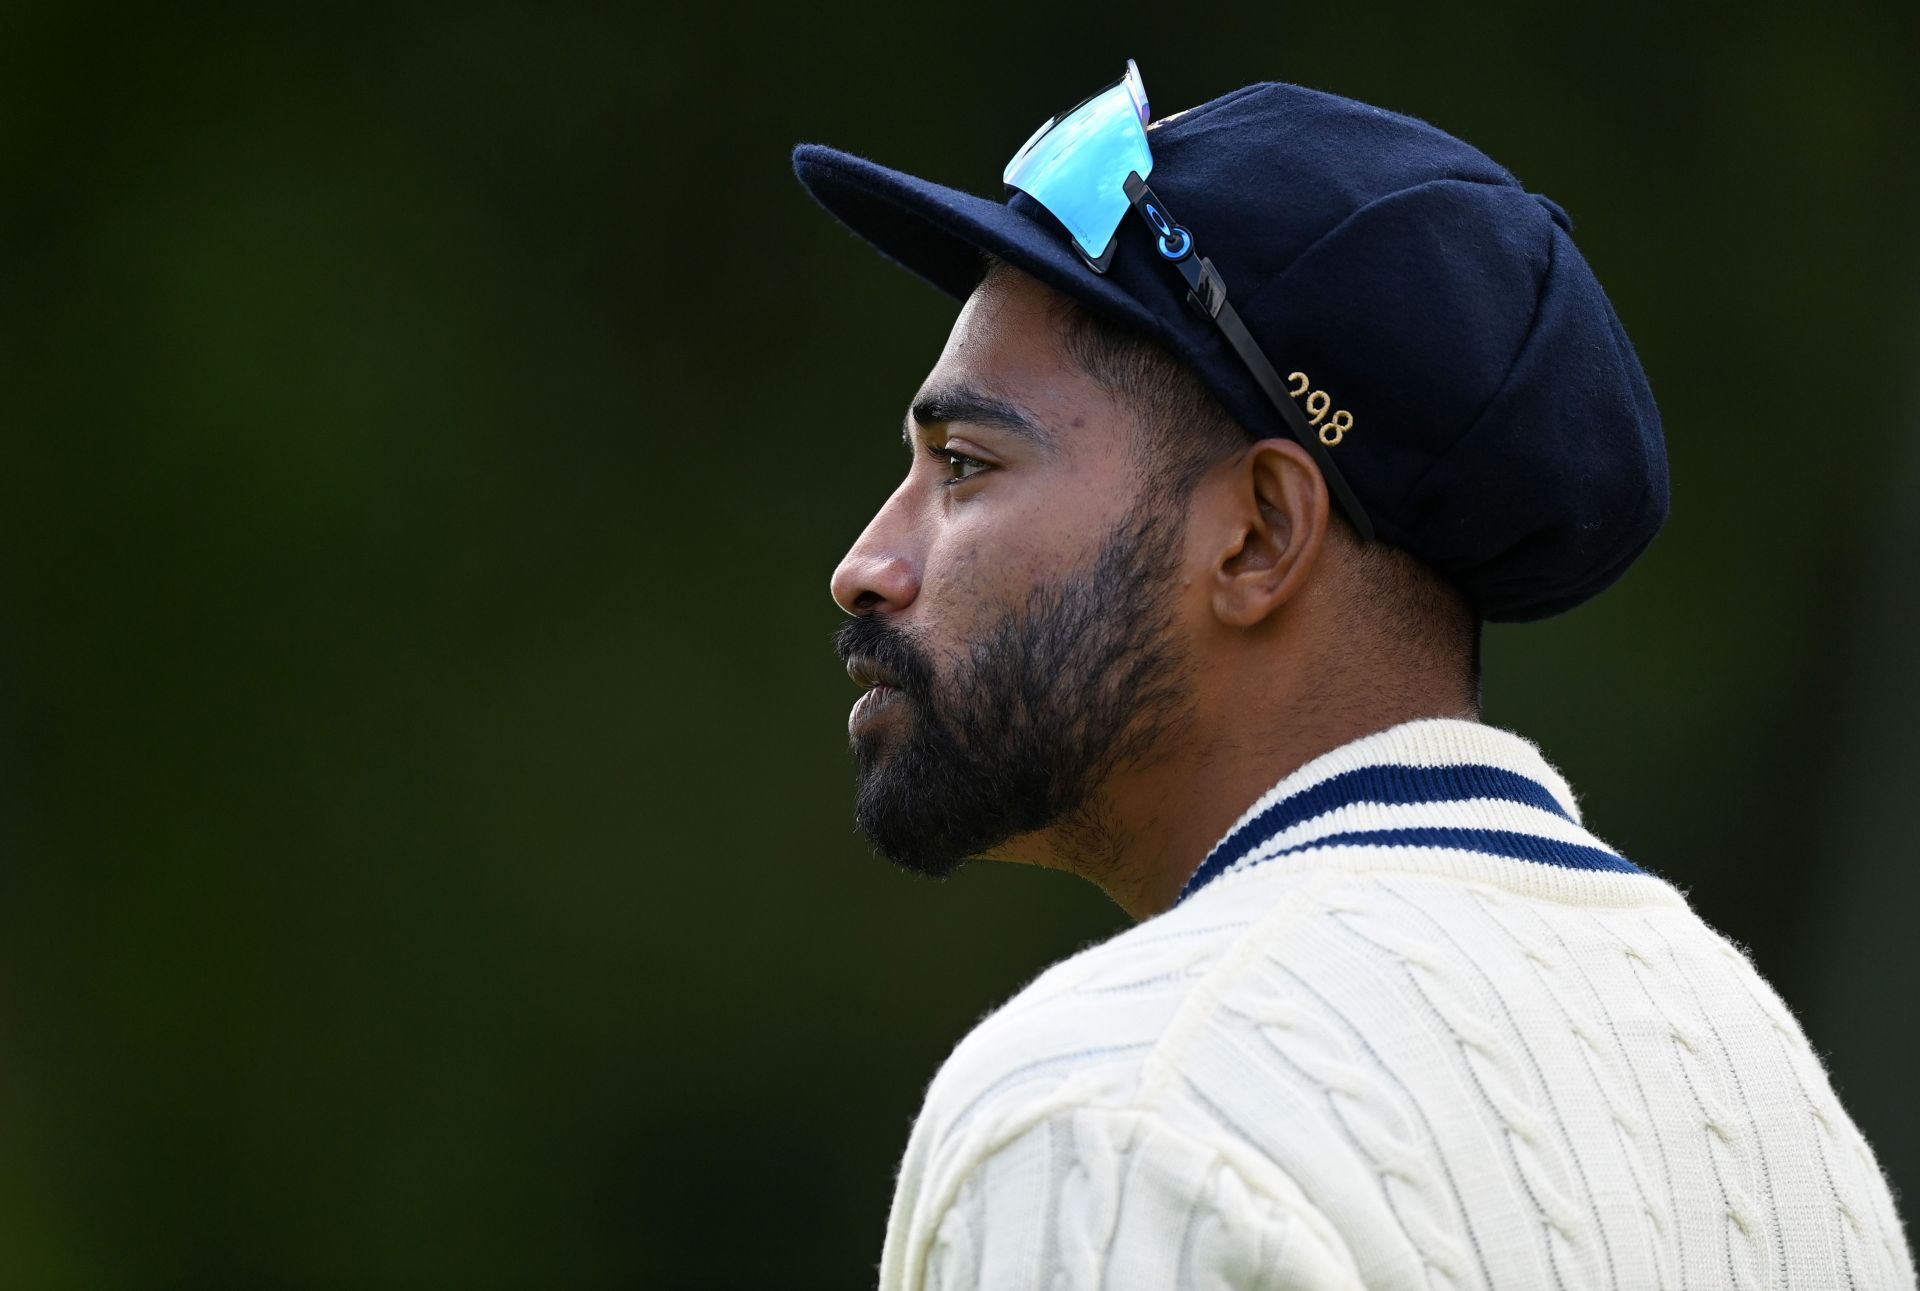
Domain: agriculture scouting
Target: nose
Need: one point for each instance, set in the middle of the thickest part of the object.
(879, 574)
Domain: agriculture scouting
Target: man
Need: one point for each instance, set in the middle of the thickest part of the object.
(1249, 419)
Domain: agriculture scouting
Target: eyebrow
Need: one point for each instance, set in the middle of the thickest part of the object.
(962, 403)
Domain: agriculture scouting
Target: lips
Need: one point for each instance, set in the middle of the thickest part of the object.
(867, 674)
(881, 690)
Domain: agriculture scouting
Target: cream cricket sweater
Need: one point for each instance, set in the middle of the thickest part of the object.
(1410, 1026)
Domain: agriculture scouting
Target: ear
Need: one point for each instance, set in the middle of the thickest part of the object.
(1276, 513)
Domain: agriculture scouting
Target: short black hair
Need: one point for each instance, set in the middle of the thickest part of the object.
(1186, 431)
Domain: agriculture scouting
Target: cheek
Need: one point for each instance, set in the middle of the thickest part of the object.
(992, 550)
(964, 581)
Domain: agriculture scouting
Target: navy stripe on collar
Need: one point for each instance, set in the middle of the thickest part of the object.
(1394, 784)
(1492, 842)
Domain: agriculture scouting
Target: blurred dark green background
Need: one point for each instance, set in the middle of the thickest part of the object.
(428, 433)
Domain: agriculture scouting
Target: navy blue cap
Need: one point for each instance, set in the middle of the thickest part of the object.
(1503, 430)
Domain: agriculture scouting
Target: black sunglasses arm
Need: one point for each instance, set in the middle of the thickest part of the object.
(1207, 293)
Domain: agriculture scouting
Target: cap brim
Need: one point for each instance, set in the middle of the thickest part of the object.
(940, 233)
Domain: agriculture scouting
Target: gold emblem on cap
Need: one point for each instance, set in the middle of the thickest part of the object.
(1319, 405)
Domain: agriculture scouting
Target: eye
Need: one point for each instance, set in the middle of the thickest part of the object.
(960, 467)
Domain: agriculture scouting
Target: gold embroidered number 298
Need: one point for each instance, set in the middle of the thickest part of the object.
(1319, 405)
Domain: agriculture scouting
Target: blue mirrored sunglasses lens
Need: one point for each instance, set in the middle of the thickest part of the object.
(1078, 169)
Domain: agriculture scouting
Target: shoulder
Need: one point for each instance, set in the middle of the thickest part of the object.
(1104, 1028)
(1088, 1023)
(1069, 1104)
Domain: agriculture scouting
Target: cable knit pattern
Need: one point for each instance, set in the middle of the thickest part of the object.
(1410, 1026)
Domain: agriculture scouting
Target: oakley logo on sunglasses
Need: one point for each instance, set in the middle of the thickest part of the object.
(1175, 241)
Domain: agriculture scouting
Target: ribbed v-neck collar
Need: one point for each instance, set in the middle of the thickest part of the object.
(1438, 783)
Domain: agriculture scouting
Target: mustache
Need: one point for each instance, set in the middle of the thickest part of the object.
(889, 649)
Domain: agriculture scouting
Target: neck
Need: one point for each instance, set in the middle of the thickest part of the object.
(1149, 827)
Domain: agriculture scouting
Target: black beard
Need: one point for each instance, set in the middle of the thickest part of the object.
(1039, 708)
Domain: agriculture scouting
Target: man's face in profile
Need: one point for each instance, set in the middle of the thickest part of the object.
(1015, 600)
